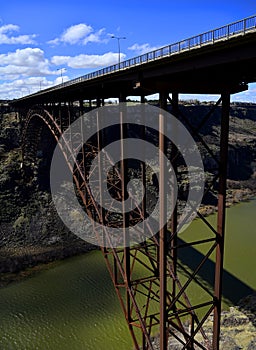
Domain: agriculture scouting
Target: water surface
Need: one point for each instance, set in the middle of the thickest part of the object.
(73, 306)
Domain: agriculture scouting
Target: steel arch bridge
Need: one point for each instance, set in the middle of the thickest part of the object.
(221, 61)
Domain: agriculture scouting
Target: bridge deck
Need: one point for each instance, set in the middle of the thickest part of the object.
(221, 59)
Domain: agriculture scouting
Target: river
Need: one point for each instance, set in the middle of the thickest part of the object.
(73, 306)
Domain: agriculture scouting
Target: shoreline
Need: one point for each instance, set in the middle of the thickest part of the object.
(20, 263)
(25, 262)
(233, 198)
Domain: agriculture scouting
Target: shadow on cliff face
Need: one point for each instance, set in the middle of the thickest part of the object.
(240, 163)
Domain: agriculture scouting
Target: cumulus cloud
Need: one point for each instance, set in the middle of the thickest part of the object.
(95, 37)
(75, 33)
(23, 62)
(143, 48)
(7, 37)
(27, 70)
(79, 34)
(87, 61)
(23, 87)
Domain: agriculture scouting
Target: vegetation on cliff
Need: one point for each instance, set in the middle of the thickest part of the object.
(30, 229)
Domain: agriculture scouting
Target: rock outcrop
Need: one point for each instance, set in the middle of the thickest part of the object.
(28, 219)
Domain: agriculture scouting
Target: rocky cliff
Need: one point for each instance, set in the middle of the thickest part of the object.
(30, 229)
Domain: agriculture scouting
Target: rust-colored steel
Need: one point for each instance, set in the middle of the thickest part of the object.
(158, 301)
(221, 217)
(163, 229)
(174, 219)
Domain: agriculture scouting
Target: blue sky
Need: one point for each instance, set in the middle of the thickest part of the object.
(43, 42)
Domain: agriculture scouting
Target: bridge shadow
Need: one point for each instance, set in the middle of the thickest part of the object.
(233, 288)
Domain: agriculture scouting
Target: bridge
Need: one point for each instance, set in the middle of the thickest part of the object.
(221, 61)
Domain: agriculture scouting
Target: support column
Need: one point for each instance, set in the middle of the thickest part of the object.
(175, 109)
(59, 116)
(81, 106)
(122, 97)
(143, 165)
(126, 233)
(70, 107)
(143, 177)
(221, 216)
(98, 102)
(162, 232)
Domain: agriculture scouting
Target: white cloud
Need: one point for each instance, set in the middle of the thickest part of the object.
(143, 48)
(61, 79)
(22, 87)
(75, 33)
(87, 61)
(79, 34)
(95, 37)
(6, 36)
(25, 71)
(23, 62)
(246, 96)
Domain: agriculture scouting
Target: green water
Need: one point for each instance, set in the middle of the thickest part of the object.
(74, 305)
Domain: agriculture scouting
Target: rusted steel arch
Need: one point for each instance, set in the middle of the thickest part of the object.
(31, 127)
(136, 316)
(35, 119)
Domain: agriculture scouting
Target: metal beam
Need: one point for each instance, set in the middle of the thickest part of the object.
(221, 216)
(162, 220)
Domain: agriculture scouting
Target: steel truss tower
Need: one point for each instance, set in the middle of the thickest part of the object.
(153, 280)
(157, 304)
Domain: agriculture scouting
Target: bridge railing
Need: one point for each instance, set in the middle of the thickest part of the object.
(223, 33)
